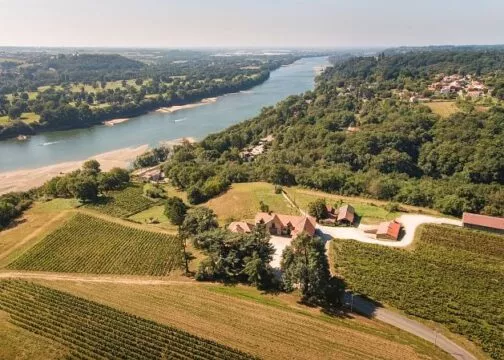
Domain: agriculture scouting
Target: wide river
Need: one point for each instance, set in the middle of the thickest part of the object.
(55, 147)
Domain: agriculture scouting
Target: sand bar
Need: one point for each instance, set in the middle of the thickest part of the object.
(175, 108)
(114, 121)
(22, 180)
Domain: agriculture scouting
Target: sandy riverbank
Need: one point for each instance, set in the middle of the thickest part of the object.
(175, 108)
(114, 121)
(22, 180)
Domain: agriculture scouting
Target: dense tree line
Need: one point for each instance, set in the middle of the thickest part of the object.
(399, 151)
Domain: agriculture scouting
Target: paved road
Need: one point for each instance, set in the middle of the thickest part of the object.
(367, 308)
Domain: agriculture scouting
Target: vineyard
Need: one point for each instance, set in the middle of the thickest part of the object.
(454, 277)
(86, 244)
(123, 203)
(94, 331)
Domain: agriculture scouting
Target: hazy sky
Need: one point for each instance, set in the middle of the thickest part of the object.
(244, 23)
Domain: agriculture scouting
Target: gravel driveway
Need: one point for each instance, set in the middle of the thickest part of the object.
(410, 223)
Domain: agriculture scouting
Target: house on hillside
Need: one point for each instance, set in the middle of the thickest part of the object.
(389, 230)
(483, 222)
(286, 225)
(240, 227)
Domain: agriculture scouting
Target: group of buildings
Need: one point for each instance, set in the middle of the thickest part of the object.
(293, 226)
(463, 85)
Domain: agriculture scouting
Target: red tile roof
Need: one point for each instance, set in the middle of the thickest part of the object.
(483, 220)
(298, 224)
(391, 228)
(240, 227)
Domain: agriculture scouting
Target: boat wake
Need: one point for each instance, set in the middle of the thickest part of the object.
(179, 120)
(50, 143)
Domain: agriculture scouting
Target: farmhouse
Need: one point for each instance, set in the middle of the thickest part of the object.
(287, 225)
(389, 230)
(483, 222)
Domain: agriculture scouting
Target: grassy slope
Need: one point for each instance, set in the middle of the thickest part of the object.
(443, 108)
(442, 280)
(241, 201)
(273, 327)
(33, 226)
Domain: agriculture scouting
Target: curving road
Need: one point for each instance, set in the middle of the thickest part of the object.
(368, 308)
(410, 223)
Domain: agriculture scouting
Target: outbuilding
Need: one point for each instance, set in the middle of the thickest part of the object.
(483, 222)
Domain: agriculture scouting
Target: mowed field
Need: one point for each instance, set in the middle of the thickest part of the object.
(453, 276)
(268, 326)
(242, 201)
(443, 108)
(93, 331)
(87, 244)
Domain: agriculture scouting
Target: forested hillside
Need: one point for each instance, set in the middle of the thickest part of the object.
(362, 133)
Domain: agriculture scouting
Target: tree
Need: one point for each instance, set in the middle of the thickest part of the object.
(91, 167)
(318, 209)
(175, 210)
(199, 220)
(281, 176)
(263, 207)
(15, 112)
(304, 263)
(84, 188)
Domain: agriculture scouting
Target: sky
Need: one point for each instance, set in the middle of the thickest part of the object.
(250, 23)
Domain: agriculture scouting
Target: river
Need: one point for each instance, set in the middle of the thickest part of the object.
(61, 146)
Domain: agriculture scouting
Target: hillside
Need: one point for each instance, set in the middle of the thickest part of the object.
(359, 133)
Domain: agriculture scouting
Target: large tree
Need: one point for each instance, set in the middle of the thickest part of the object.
(304, 264)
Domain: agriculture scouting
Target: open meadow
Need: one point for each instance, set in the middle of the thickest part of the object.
(443, 279)
(443, 108)
(87, 244)
(242, 201)
(266, 325)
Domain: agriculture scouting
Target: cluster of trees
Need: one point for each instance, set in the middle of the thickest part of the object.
(87, 183)
(305, 266)
(152, 157)
(245, 257)
(12, 206)
(400, 151)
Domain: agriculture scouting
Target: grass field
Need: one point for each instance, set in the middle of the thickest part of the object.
(269, 326)
(93, 331)
(26, 117)
(86, 244)
(123, 203)
(370, 211)
(241, 201)
(443, 108)
(454, 277)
